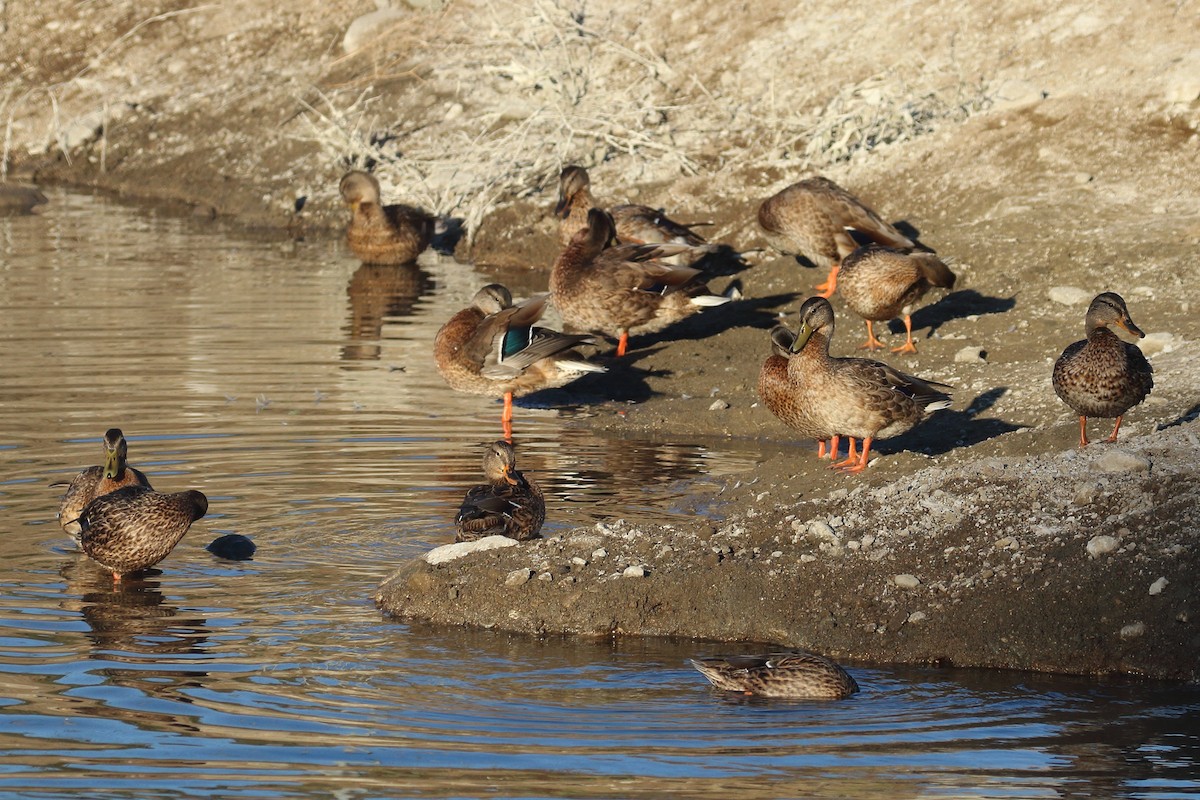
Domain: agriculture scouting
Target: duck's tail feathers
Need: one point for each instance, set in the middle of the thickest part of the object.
(579, 365)
(710, 300)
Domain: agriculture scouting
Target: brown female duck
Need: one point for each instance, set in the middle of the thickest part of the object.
(96, 481)
(812, 218)
(856, 397)
(134, 528)
(791, 675)
(379, 234)
(492, 348)
(1103, 376)
(619, 289)
(777, 388)
(634, 224)
(882, 283)
(509, 504)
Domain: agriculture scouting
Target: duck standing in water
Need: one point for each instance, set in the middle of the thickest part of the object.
(618, 289)
(785, 675)
(492, 348)
(96, 481)
(855, 397)
(1103, 376)
(509, 504)
(134, 528)
(812, 218)
(379, 234)
(883, 283)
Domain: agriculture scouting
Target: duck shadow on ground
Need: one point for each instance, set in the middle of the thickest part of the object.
(624, 382)
(1184, 418)
(749, 312)
(950, 429)
(955, 305)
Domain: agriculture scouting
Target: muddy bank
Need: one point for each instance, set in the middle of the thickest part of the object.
(1075, 561)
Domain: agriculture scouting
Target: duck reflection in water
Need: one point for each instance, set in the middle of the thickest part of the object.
(379, 292)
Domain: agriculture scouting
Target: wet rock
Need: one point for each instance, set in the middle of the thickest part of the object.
(233, 547)
(1115, 461)
(518, 577)
(906, 581)
(1158, 586)
(1099, 545)
(449, 552)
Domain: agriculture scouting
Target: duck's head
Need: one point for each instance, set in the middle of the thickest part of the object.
(816, 316)
(499, 461)
(1109, 309)
(571, 181)
(359, 187)
(492, 299)
(116, 451)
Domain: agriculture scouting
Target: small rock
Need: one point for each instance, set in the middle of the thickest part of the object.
(1133, 630)
(822, 530)
(906, 581)
(369, 27)
(1115, 460)
(776, 553)
(635, 571)
(599, 553)
(1099, 545)
(718, 405)
(449, 552)
(545, 576)
(970, 355)
(807, 558)
(917, 616)
(518, 577)
(232, 547)
(1069, 295)
(1158, 586)
(1086, 494)
(579, 562)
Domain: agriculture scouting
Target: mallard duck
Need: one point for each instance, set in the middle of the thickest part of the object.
(134, 528)
(882, 283)
(1103, 376)
(379, 234)
(619, 289)
(492, 348)
(856, 397)
(777, 388)
(634, 224)
(509, 504)
(812, 218)
(95, 481)
(794, 675)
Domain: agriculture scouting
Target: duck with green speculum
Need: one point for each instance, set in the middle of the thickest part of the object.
(493, 348)
(1102, 375)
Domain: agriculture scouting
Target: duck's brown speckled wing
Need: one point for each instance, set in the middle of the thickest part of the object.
(794, 675)
(135, 527)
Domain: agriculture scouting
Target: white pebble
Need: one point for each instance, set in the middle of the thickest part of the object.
(906, 581)
(917, 616)
(1158, 586)
(518, 577)
(635, 571)
(1069, 295)
(1133, 630)
(1099, 545)
(970, 355)
(545, 576)
(1115, 460)
(449, 552)
(579, 561)
(599, 553)
(807, 558)
(718, 405)
(821, 529)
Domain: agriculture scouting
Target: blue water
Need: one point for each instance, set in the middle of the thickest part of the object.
(296, 390)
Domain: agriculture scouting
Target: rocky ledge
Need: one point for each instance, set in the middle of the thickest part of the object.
(1081, 561)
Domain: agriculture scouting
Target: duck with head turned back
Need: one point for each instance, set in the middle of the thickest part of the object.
(855, 397)
(882, 283)
(134, 528)
(634, 224)
(786, 675)
(379, 234)
(619, 289)
(509, 504)
(812, 218)
(96, 481)
(1103, 376)
(492, 348)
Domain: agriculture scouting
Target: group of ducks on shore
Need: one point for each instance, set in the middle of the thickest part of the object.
(631, 270)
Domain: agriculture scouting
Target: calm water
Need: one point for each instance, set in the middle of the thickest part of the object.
(295, 388)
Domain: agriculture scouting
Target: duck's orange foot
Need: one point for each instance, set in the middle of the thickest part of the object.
(907, 347)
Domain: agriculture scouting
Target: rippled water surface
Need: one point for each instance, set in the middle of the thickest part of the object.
(295, 388)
